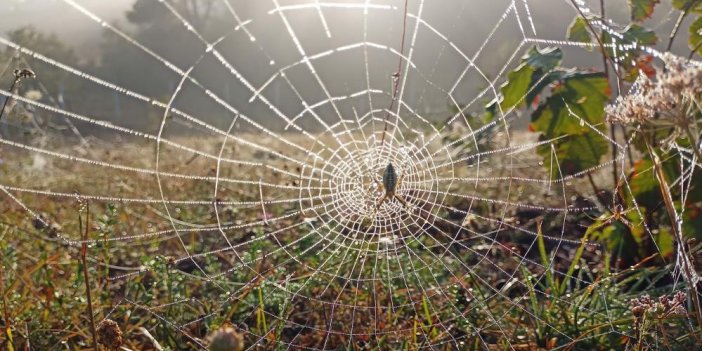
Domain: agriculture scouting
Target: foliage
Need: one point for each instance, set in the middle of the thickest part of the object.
(635, 221)
(574, 100)
(42, 287)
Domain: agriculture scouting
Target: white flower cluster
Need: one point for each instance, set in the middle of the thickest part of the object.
(680, 79)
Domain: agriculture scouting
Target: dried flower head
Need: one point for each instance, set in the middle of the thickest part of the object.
(666, 306)
(109, 334)
(24, 73)
(226, 339)
(681, 80)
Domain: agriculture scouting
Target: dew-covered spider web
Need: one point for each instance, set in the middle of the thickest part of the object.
(271, 209)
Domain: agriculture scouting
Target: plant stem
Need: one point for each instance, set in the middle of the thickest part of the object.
(86, 275)
(6, 313)
(668, 200)
(674, 32)
(7, 99)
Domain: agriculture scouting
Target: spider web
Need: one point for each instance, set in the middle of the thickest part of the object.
(274, 212)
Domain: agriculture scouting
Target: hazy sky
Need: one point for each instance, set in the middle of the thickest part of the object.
(463, 23)
(72, 26)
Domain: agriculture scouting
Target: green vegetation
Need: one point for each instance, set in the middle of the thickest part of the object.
(622, 275)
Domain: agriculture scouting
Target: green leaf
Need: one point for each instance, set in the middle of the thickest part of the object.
(519, 90)
(687, 5)
(575, 262)
(639, 34)
(585, 93)
(543, 60)
(518, 83)
(573, 153)
(633, 61)
(695, 37)
(641, 9)
(665, 242)
(567, 115)
(644, 184)
(578, 31)
(616, 236)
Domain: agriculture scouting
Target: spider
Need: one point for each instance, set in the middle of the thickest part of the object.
(389, 184)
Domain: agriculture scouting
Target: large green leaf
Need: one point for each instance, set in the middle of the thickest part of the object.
(520, 89)
(585, 94)
(642, 9)
(573, 153)
(567, 115)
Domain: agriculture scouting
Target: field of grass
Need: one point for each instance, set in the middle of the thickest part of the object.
(164, 290)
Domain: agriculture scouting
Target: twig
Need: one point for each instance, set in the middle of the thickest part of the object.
(86, 275)
(151, 338)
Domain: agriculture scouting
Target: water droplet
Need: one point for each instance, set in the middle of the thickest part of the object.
(272, 62)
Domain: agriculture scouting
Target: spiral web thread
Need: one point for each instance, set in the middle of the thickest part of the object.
(295, 205)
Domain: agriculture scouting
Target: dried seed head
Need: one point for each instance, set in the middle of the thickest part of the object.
(109, 334)
(24, 73)
(226, 339)
(681, 80)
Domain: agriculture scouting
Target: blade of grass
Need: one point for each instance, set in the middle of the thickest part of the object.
(6, 312)
(534, 302)
(261, 311)
(574, 263)
(545, 261)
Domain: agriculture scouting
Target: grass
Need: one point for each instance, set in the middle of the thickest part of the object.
(567, 297)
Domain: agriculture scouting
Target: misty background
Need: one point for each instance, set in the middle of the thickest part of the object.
(260, 53)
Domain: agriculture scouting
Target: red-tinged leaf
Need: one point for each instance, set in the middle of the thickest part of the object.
(537, 100)
(643, 63)
(642, 9)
